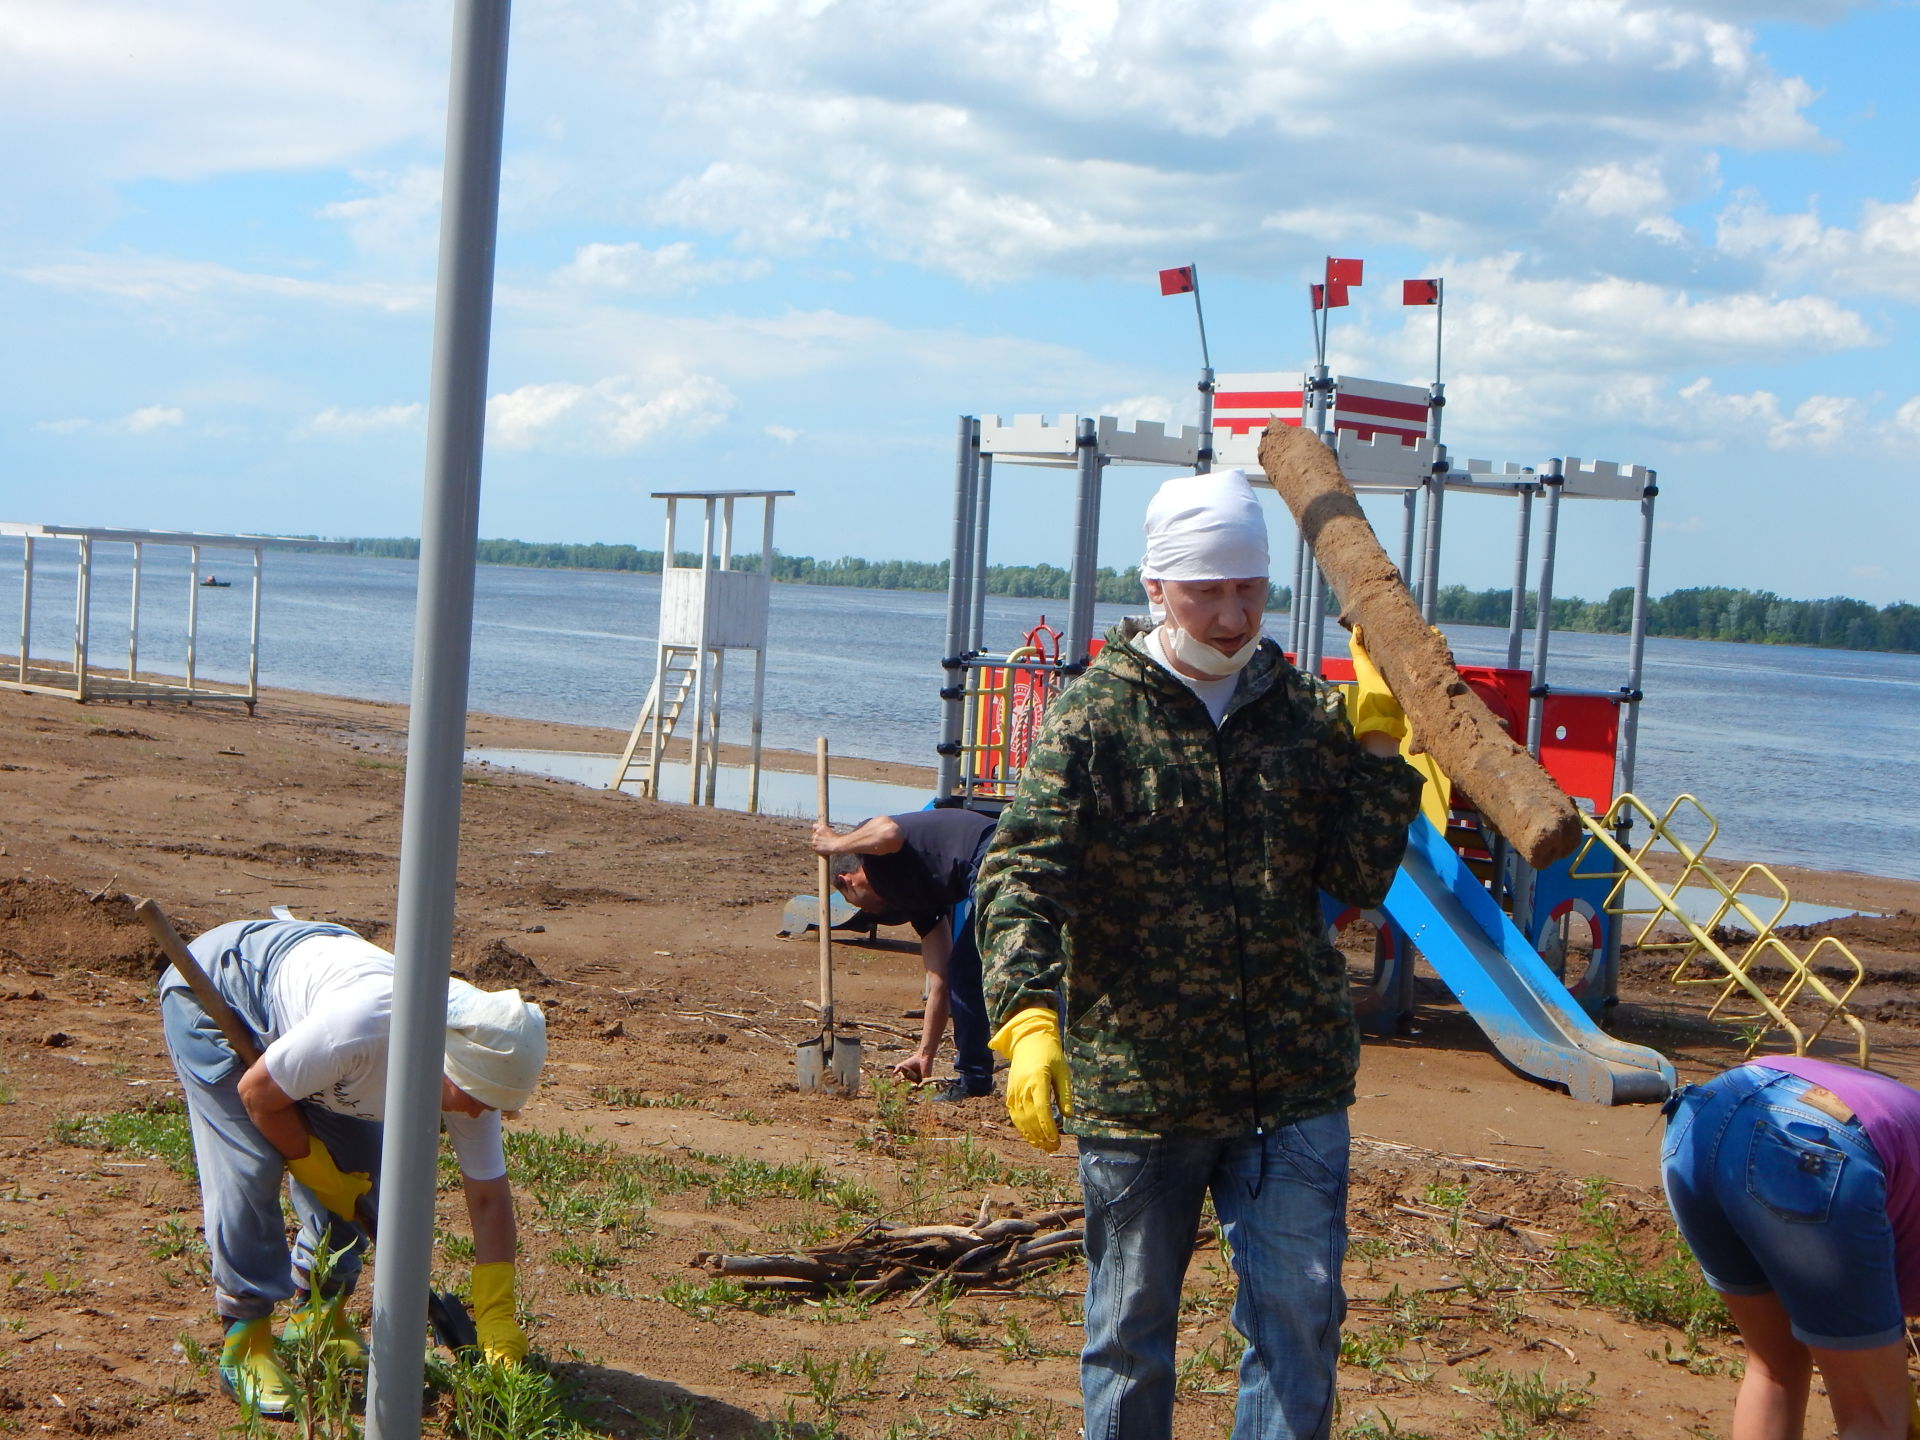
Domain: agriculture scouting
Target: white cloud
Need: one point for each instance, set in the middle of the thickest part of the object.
(399, 215)
(337, 421)
(143, 421)
(1881, 255)
(166, 283)
(124, 88)
(785, 434)
(665, 270)
(610, 416)
(153, 417)
(991, 138)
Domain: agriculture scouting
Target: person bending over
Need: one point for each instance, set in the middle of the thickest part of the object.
(1796, 1183)
(921, 864)
(319, 1001)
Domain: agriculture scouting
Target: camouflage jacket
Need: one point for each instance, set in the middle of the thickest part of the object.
(1162, 875)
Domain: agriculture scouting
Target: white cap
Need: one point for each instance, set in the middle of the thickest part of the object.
(496, 1044)
(1205, 527)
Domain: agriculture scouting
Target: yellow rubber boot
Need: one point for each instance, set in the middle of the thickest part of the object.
(250, 1373)
(324, 1324)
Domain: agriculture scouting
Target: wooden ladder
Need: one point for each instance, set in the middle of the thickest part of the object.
(679, 665)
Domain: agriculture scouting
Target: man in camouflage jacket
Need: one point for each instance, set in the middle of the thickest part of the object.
(1152, 896)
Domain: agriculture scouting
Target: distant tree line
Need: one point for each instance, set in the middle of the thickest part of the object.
(1704, 613)
(1757, 617)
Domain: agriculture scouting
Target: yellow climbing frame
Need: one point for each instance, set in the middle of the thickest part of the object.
(1706, 956)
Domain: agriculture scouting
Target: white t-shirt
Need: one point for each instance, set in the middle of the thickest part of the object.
(330, 1003)
(1214, 694)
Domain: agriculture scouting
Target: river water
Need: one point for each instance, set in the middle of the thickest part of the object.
(1806, 757)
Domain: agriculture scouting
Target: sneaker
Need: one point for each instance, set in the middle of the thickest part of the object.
(249, 1371)
(326, 1322)
(952, 1091)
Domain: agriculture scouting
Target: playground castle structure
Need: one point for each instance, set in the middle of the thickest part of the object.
(1533, 955)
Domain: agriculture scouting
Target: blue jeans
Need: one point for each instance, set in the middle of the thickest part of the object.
(240, 1178)
(1775, 1196)
(1282, 1202)
(967, 1005)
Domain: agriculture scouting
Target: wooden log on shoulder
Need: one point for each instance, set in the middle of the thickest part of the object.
(1446, 718)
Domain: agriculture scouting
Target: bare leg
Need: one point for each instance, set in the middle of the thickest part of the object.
(1772, 1404)
(1868, 1389)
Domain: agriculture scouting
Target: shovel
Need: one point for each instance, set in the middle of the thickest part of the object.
(831, 1061)
(447, 1313)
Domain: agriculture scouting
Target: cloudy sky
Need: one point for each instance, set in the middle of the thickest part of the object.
(783, 243)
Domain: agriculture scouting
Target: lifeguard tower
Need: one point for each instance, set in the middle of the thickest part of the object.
(706, 609)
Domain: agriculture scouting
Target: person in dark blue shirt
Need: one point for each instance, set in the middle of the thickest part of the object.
(921, 865)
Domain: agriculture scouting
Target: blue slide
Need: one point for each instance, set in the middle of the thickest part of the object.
(1523, 1008)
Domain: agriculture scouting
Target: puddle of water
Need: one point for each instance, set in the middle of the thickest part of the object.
(781, 792)
(1700, 904)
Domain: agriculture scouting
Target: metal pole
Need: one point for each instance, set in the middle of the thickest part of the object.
(982, 504)
(1436, 500)
(436, 731)
(26, 604)
(760, 661)
(1085, 542)
(133, 619)
(82, 615)
(1637, 636)
(1409, 504)
(1543, 608)
(1517, 617)
(193, 609)
(700, 682)
(713, 726)
(253, 632)
(655, 737)
(953, 689)
(1203, 459)
(1299, 601)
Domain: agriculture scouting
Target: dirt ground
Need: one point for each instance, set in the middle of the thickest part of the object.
(648, 933)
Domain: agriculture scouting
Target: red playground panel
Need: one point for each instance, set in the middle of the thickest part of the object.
(1579, 736)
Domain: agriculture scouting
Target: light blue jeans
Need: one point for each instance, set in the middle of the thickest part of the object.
(240, 1179)
(1282, 1202)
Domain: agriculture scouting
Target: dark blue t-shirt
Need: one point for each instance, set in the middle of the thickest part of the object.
(933, 869)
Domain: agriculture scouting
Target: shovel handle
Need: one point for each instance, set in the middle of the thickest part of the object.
(211, 1000)
(826, 905)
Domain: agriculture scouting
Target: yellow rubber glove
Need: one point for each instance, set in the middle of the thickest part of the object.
(1037, 1079)
(1371, 708)
(337, 1189)
(501, 1338)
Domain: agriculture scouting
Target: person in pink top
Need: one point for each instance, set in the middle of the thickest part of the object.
(1797, 1184)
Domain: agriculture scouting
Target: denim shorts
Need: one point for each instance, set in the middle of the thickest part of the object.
(1777, 1197)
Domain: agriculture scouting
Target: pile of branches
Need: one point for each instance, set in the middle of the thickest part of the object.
(886, 1257)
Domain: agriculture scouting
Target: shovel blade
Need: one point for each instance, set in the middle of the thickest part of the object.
(809, 1065)
(845, 1066)
(815, 1069)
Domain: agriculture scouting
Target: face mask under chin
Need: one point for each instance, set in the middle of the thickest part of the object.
(1199, 656)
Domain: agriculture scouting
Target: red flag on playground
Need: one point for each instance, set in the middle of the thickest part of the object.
(1177, 281)
(1343, 272)
(1329, 297)
(1420, 292)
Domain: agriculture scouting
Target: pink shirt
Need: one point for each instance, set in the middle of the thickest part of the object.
(1890, 1114)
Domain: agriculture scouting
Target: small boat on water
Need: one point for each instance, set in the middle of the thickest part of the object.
(212, 584)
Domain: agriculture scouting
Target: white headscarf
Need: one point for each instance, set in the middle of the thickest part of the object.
(496, 1044)
(1205, 527)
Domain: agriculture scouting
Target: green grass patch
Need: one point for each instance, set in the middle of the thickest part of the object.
(156, 1129)
(1666, 1289)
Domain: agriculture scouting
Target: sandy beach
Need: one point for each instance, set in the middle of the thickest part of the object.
(648, 932)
